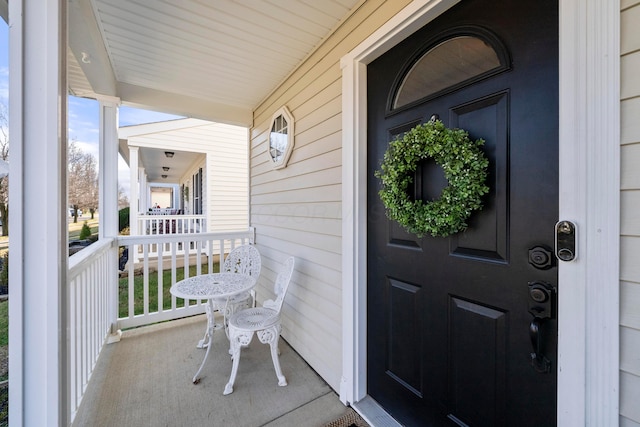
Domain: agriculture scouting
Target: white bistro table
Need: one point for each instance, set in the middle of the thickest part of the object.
(209, 286)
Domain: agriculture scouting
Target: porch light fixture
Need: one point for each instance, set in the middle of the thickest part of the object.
(164, 176)
(165, 168)
(169, 154)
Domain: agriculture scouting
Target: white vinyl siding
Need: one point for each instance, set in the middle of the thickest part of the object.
(227, 180)
(297, 210)
(630, 215)
(224, 164)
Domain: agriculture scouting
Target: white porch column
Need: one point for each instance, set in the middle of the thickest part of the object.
(134, 196)
(38, 205)
(134, 200)
(108, 206)
(108, 167)
(145, 191)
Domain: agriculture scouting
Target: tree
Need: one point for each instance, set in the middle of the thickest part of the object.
(82, 180)
(4, 155)
(123, 199)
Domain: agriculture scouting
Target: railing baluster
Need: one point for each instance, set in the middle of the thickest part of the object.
(221, 252)
(209, 257)
(174, 247)
(83, 323)
(145, 280)
(73, 342)
(160, 286)
(198, 250)
(186, 246)
(130, 287)
(93, 321)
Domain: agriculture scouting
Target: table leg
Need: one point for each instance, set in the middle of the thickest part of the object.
(226, 315)
(210, 328)
(206, 340)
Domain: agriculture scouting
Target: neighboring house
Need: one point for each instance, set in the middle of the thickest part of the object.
(206, 174)
(430, 329)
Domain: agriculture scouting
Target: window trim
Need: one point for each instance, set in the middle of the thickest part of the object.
(286, 114)
(462, 31)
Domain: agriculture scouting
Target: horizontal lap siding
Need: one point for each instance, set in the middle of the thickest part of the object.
(225, 169)
(298, 210)
(228, 176)
(630, 215)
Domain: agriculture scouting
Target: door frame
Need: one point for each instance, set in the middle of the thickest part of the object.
(589, 176)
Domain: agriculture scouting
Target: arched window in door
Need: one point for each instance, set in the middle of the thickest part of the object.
(453, 60)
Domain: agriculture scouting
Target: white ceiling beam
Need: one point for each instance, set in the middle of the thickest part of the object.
(85, 41)
(182, 105)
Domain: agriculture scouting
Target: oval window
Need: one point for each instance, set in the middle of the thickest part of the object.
(450, 64)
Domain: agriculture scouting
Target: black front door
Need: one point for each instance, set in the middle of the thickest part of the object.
(454, 337)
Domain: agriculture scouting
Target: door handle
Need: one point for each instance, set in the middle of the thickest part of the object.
(539, 362)
(542, 308)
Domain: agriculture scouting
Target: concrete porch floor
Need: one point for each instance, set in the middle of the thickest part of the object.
(145, 380)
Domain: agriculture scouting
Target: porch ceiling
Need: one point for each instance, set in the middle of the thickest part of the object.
(152, 160)
(151, 154)
(210, 59)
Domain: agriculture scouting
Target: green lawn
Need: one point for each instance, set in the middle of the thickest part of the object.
(138, 287)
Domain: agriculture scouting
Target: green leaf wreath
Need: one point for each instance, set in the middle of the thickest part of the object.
(464, 165)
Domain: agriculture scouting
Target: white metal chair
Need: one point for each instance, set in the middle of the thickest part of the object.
(265, 321)
(244, 259)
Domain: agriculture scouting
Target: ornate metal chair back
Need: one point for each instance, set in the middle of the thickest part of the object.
(244, 259)
(281, 285)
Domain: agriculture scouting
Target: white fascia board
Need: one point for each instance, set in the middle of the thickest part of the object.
(182, 105)
(126, 132)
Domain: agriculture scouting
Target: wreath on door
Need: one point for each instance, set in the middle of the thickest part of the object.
(465, 168)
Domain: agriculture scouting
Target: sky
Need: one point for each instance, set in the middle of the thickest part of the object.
(83, 113)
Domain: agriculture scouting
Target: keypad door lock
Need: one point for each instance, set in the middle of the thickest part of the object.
(566, 241)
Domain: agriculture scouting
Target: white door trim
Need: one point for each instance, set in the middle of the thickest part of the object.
(589, 195)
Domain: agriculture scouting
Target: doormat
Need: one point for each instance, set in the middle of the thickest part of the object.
(349, 419)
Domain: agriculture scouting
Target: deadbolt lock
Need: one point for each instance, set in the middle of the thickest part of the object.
(542, 300)
(541, 257)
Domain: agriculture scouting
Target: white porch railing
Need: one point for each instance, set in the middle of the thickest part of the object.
(150, 225)
(91, 280)
(174, 254)
(95, 291)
